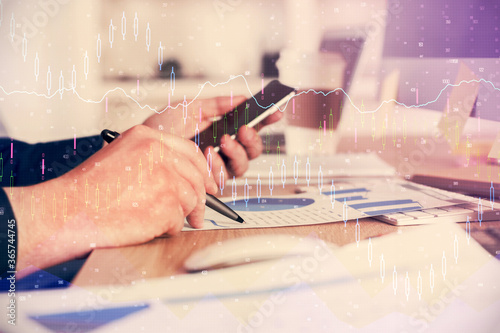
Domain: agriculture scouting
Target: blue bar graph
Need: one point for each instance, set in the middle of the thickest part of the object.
(347, 191)
(382, 203)
(353, 198)
(80, 322)
(393, 210)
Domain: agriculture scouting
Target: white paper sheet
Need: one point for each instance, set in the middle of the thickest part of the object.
(345, 200)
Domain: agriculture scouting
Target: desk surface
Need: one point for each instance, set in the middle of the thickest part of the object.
(165, 256)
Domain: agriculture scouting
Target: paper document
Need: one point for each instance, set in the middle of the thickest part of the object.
(345, 200)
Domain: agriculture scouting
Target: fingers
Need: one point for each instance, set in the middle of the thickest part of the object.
(175, 219)
(145, 139)
(272, 118)
(196, 217)
(185, 167)
(237, 158)
(191, 192)
(219, 106)
(218, 165)
(188, 171)
(251, 141)
(192, 203)
(176, 144)
(188, 150)
(227, 103)
(237, 153)
(193, 172)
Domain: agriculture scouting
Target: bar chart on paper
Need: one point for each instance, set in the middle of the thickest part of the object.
(357, 198)
(345, 200)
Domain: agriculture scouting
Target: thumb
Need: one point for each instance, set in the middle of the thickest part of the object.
(221, 105)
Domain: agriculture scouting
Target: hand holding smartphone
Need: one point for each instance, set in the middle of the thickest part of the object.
(249, 113)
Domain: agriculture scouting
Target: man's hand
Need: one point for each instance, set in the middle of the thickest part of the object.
(134, 189)
(238, 152)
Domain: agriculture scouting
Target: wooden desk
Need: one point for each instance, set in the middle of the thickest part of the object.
(165, 256)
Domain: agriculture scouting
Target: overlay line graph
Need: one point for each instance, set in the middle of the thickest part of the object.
(181, 104)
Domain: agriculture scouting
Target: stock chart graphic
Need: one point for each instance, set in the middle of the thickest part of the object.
(316, 119)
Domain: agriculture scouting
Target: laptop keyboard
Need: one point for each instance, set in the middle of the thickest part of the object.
(456, 213)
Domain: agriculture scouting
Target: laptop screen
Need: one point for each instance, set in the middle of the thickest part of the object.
(427, 39)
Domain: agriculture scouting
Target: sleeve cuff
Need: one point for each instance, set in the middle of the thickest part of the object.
(8, 237)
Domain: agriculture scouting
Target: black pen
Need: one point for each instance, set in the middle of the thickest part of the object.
(212, 201)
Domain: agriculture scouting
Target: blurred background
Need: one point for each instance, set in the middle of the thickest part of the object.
(201, 40)
(107, 54)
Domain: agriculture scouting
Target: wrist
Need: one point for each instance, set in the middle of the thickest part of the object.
(47, 224)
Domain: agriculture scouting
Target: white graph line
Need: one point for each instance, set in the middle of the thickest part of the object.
(180, 104)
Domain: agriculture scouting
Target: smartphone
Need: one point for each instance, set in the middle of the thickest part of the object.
(250, 113)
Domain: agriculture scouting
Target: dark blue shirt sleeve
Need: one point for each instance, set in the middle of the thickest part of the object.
(8, 237)
(23, 164)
